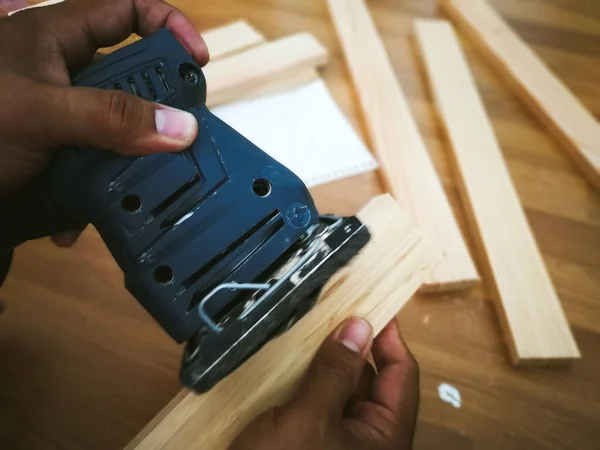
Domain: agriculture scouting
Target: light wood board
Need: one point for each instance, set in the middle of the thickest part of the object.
(547, 97)
(534, 323)
(269, 67)
(375, 285)
(406, 166)
(231, 38)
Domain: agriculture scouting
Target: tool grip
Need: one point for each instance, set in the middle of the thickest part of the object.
(177, 224)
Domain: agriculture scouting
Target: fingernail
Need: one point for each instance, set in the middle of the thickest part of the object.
(175, 124)
(66, 238)
(355, 334)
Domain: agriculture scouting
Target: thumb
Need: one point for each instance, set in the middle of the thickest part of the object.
(335, 371)
(118, 121)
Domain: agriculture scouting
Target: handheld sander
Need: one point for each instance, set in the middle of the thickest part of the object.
(220, 243)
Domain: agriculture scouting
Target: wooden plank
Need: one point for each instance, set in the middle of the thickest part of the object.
(407, 168)
(231, 38)
(375, 285)
(534, 323)
(270, 67)
(547, 97)
(277, 84)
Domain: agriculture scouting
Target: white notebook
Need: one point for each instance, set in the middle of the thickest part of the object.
(303, 129)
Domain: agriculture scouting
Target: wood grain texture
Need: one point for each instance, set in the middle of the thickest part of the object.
(405, 162)
(231, 38)
(532, 317)
(82, 366)
(267, 68)
(376, 285)
(549, 99)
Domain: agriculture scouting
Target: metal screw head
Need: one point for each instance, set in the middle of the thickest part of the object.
(298, 215)
(191, 77)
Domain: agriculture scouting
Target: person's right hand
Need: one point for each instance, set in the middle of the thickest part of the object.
(342, 403)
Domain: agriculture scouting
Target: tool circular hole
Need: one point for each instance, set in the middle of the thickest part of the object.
(262, 187)
(190, 74)
(131, 203)
(163, 274)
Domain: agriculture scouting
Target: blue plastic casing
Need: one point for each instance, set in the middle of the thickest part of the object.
(177, 224)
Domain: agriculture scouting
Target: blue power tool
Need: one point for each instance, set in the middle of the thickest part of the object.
(221, 244)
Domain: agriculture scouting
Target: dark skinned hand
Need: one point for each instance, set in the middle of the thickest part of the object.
(343, 403)
(41, 111)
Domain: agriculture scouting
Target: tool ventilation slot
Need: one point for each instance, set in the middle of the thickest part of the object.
(171, 199)
(163, 79)
(135, 90)
(150, 83)
(188, 206)
(239, 252)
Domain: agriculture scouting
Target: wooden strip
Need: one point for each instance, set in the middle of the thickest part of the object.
(277, 84)
(231, 38)
(534, 323)
(547, 97)
(267, 68)
(375, 285)
(407, 168)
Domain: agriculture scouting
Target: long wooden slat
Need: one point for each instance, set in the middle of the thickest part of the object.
(269, 67)
(534, 323)
(231, 38)
(405, 162)
(547, 97)
(375, 285)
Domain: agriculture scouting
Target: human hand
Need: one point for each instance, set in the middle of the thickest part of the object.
(40, 111)
(342, 403)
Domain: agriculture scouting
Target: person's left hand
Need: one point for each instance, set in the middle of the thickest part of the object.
(342, 403)
(41, 48)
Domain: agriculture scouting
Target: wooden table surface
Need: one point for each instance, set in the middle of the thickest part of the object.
(83, 366)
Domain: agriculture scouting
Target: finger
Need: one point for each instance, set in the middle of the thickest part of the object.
(82, 27)
(113, 120)
(66, 239)
(365, 386)
(265, 432)
(335, 370)
(396, 387)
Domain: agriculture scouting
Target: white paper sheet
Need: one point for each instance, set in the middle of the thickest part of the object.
(304, 130)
